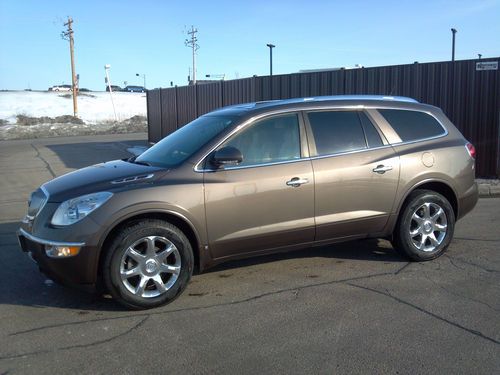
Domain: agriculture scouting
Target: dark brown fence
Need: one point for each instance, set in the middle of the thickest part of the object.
(469, 97)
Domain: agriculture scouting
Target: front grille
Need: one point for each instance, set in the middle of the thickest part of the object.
(36, 202)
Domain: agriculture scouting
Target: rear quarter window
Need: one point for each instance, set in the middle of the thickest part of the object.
(412, 125)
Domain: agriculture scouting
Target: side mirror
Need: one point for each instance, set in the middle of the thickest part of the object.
(227, 156)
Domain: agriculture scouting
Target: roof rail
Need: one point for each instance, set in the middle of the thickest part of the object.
(362, 97)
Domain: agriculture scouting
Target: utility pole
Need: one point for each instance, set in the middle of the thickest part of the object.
(143, 77)
(453, 32)
(68, 35)
(192, 43)
(108, 81)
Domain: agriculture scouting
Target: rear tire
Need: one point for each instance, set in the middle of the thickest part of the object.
(425, 226)
(148, 264)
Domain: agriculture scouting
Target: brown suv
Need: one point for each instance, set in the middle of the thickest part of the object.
(254, 179)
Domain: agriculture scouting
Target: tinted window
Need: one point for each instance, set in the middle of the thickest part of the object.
(412, 125)
(372, 136)
(335, 132)
(181, 144)
(269, 141)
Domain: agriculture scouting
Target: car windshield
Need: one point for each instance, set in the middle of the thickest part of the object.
(183, 143)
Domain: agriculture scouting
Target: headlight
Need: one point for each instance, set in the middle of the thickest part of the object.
(73, 210)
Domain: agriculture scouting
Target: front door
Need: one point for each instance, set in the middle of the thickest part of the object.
(266, 201)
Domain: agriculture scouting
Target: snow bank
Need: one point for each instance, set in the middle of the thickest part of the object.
(93, 107)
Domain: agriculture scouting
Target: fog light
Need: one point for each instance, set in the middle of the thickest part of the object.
(61, 251)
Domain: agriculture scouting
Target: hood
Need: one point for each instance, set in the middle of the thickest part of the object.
(107, 176)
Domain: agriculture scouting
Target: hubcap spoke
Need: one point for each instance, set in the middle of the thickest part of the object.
(135, 255)
(151, 248)
(427, 210)
(126, 274)
(441, 227)
(433, 239)
(159, 284)
(161, 256)
(417, 218)
(437, 215)
(423, 239)
(142, 285)
(167, 268)
(416, 231)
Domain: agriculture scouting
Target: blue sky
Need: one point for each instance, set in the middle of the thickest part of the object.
(147, 37)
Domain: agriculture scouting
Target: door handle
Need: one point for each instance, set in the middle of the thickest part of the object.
(296, 182)
(381, 169)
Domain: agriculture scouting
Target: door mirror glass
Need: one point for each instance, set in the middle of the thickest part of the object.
(227, 156)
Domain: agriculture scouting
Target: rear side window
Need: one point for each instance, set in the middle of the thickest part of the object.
(337, 131)
(412, 125)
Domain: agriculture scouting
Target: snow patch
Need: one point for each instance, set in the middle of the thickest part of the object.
(93, 108)
(31, 114)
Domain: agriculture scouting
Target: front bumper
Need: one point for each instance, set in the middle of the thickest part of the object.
(74, 270)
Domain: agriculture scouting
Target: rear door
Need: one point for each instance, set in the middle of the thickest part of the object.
(356, 173)
(267, 201)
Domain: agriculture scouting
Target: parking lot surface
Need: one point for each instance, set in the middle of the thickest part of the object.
(355, 307)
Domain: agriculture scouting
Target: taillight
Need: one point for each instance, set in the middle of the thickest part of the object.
(471, 150)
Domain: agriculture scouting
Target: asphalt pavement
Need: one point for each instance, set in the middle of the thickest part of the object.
(355, 307)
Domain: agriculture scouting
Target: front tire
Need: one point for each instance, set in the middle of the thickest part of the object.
(148, 264)
(425, 226)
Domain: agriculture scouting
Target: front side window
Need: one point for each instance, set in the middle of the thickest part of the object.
(412, 125)
(337, 131)
(271, 140)
(184, 142)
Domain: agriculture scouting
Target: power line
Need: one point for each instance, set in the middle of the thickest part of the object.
(192, 43)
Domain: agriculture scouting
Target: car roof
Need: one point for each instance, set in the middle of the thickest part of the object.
(254, 108)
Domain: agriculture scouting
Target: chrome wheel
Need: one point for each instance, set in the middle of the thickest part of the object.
(428, 226)
(150, 266)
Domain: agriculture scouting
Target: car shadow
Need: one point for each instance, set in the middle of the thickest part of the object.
(21, 283)
(363, 249)
(80, 155)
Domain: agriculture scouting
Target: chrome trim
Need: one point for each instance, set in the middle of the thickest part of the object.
(42, 206)
(197, 168)
(382, 168)
(350, 152)
(296, 182)
(30, 237)
(134, 178)
(45, 191)
(255, 165)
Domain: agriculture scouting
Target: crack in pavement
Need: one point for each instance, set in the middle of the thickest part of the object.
(403, 268)
(79, 346)
(39, 156)
(458, 294)
(295, 291)
(422, 310)
(476, 239)
(197, 308)
(452, 259)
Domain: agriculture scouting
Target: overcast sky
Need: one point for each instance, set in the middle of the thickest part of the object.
(147, 37)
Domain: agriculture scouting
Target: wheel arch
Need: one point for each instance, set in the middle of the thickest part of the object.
(439, 186)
